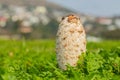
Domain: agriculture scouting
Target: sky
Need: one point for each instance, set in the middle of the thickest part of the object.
(92, 7)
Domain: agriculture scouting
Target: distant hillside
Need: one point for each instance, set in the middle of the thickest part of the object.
(43, 17)
(54, 10)
(47, 15)
(23, 2)
(31, 3)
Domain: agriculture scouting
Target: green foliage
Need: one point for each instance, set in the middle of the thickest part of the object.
(36, 60)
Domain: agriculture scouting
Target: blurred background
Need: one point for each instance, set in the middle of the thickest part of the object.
(39, 19)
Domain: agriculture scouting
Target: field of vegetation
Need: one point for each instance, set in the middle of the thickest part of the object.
(36, 60)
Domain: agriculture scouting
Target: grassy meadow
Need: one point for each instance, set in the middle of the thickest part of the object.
(36, 60)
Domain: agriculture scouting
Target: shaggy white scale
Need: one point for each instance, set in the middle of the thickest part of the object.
(70, 42)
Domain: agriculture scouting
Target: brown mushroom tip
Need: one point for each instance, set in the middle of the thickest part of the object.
(73, 18)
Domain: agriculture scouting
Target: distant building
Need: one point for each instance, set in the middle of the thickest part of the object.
(40, 10)
(25, 27)
(93, 39)
(117, 22)
(111, 27)
(3, 21)
(88, 27)
(104, 21)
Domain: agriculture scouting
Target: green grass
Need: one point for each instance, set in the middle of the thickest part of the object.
(36, 60)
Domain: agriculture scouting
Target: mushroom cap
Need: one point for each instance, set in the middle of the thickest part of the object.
(70, 42)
